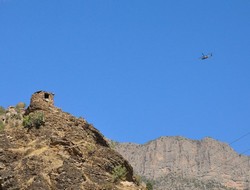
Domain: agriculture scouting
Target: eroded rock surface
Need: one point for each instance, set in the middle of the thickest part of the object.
(184, 161)
(65, 152)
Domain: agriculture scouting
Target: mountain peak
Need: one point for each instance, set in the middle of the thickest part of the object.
(47, 148)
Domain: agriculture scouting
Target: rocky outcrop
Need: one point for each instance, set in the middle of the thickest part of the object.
(207, 161)
(58, 151)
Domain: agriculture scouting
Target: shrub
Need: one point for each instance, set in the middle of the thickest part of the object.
(20, 105)
(149, 186)
(91, 149)
(138, 179)
(2, 110)
(112, 144)
(119, 173)
(33, 120)
(1, 126)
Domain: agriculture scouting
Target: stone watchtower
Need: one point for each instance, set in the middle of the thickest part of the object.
(41, 100)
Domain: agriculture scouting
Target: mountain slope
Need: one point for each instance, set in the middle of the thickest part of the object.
(208, 161)
(45, 148)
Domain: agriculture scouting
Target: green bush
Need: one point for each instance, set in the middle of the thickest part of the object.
(91, 149)
(119, 173)
(1, 126)
(33, 120)
(112, 144)
(138, 179)
(20, 105)
(149, 186)
(2, 110)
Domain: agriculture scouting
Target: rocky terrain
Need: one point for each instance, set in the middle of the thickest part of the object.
(180, 163)
(44, 148)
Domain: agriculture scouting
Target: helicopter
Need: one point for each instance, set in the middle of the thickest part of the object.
(203, 57)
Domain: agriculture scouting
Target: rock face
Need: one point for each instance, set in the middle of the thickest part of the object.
(210, 163)
(57, 151)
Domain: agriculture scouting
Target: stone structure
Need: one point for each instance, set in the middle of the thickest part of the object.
(41, 100)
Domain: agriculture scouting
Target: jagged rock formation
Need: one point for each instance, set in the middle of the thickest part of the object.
(180, 163)
(57, 151)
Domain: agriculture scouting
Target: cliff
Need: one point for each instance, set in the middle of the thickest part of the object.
(177, 162)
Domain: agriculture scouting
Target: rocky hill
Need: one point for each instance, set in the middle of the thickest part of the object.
(44, 148)
(180, 163)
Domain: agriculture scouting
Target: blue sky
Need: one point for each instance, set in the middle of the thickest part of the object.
(132, 67)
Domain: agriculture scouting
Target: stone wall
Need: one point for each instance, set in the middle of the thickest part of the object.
(41, 100)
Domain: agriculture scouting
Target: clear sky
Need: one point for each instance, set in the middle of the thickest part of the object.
(132, 67)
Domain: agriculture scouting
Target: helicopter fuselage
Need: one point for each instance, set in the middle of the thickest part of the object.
(205, 56)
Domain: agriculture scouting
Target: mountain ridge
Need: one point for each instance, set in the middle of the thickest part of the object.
(206, 159)
(45, 148)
